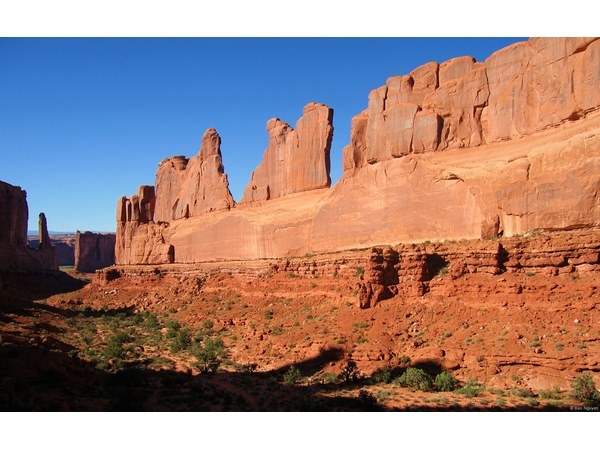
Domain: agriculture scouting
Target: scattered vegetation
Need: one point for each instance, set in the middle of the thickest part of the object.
(472, 388)
(292, 376)
(583, 389)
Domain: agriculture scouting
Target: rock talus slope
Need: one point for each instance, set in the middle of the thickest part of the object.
(452, 150)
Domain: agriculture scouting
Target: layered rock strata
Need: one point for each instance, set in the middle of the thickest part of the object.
(411, 269)
(94, 251)
(457, 150)
(15, 254)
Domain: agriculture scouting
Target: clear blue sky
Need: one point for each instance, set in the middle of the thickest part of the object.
(86, 120)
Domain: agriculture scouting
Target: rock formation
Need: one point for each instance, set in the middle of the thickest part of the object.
(139, 240)
(295, 160)
(410, 269)
(94, 251)
(15, 254)
(457, 150)
(186, 188)
(517, 91)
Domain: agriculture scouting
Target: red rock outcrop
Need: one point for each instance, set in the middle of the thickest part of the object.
(460, 103)
(295, 160)
(15, 254)
(186, 188)
(138, 239)
(457, 150)
(410, 269)
(94, 251)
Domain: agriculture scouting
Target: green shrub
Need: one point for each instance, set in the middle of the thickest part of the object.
(292, 376)
(584, 390)
(405, 360)
(181, 340)
(415, 379)
(383, 376)
(554, 394)
(208, 353)
(349, 372)
(367, 400)
(445, 382)
(472, 388)
(114, 347)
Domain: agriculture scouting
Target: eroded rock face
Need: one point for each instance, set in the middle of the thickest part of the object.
(457, 150)
(295, 160)
(138, 239)
(94, 251)
(15, 254)
(187, 188)
(461, 103)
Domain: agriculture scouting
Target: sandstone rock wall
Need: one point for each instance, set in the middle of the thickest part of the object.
(186, 188)
(15, 254)
(517, 91)
(457, 150)
(94, 251)
(138, 239)
(295, 160)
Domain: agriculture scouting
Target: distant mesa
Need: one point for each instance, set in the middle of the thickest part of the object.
(452, 150)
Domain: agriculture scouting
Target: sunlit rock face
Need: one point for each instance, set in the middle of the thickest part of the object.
(187, 188)
(452, 150)
(295, 160)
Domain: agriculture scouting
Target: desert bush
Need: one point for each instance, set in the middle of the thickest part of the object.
(472, 388)
(584, 390)
(181, 340)
(554, 394)
(445, 382)
(349, 372)
(292, 376)
(405, 360)
(415, 379)
(381, 376)
(367, 400)
(208, 353)
(114, 347)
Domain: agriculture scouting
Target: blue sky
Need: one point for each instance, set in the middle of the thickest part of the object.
(86, 120)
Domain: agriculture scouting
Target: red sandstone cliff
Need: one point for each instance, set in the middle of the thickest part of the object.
(15, 255)
(295, 160)
(462, 149)
(186, 188)
(94, 251)
(139, 240)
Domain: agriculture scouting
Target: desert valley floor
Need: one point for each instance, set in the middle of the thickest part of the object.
(289, 335)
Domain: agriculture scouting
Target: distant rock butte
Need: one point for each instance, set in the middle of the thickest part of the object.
(15, 253)
(461, 149)
(94, 251)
